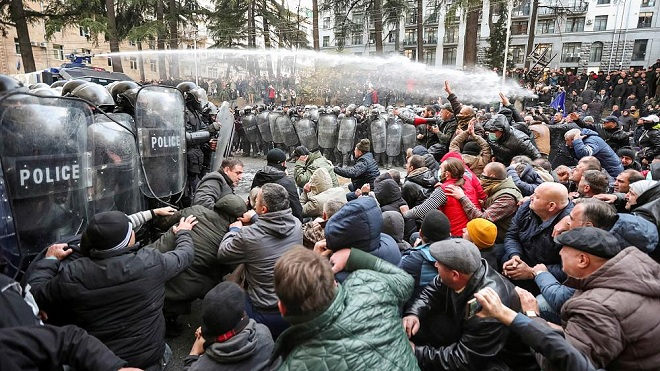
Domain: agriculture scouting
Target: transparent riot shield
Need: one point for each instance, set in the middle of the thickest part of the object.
(408, 136)
(251, 128)
(160, 122)
(378, 135)
(278, 137)
(393, 147)
(264, 127)
(114, 164)
(46, 175)
(328, 128)
(285, 127)
(346, 140)
(306, 131)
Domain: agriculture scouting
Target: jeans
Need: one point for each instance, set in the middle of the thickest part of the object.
(546, 312)
(271, 318)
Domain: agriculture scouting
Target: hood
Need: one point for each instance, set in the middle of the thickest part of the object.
(636, 231)
(313, 156)
(422, 176)
(357, 224)
(387, 192)
(431, 163)
(420, 150)
(506, 112)
(455, 155)
(631, 271)
(499, 122)
(268, 174)
(278, 223)
(240, 347)
(393, 225)
(231, 205)
(320, 181)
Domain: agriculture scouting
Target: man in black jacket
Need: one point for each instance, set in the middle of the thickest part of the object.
(217, 184)
(275, 172)
(115, 292)
(363, 172)
(461, 340)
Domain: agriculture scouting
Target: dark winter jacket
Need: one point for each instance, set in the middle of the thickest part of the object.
(594, 145)
(512, 142)
(615, 138)
(119, 299)
(358, 224)
(364, 171)
(275, 174)
(360, 330)
(212, 188)
(417, 187)
(531, 239)
(248, 350)
(649, 142)
(419, 263)
(475, 343)
(559, 152)
(527, 181)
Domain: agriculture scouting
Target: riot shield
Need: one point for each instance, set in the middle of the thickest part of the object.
(306, 131)
(264, 127)
(114, 165)
(394, 138)
(378, 135)
(328, 129)
(346, 141)
(225, 136)
(278, 137)
(46, 170)
(408, 136)
(251, 128)
(160, 122)
(285, 127)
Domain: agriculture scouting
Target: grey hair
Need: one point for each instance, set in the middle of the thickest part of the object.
(275, 197)
(331, 207)
(572, 133)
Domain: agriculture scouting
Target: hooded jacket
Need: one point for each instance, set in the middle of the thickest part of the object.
(594, 145)
(364, 171)
(321, 191)
(277, 230)
(417, 187)
(358, 225)
(612, 318)
(213, 186)
(248, 350)
(274, 174)
(512, 143)
(475, 163)
(649, 141)
(388, 195)
(305, 170)
(527, 181)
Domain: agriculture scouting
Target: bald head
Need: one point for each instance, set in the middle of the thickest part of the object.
(548, 200)
(495, 170)
(555, 192)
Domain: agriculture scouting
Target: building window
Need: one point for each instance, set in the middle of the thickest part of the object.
(410, 54)
(58, 52)
(326, 41)
(451, 35)
(410, 37)
(644, 19)
(391, 37)
(153, 65)
(519, 28)
(429, 57)
(131, 42)
(449, 56)
(326, 23)
(372, 38)
(545, 26)
(17, 45)
(570, 52)
(575, 24)
(600, 23)
(109, 62)
(522, 10)
(87, 51)
(517, 53)
(596, 53)
(84, 31)
(602, 2)
(133, 63)
(639, 50)
(647, 3)
(431, 36)
(358, 21)
(542, 47)
(152, 44)
(357, 39)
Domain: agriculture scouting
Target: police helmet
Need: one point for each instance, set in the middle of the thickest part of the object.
(336, 110)
(120, 87)
(38, 85)
(58, 84)
(199, 95)
(70, 86)
(126, 100)
(95, 94)
(186, 86)
(46, 92)
(210, 108)
(8, 83)
(247, 110)
(341, 116)
(350, 108)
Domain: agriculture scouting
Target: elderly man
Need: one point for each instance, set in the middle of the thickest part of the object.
(258, 246)
(456, 338)
(618, 290)
(586, 142)
(592, 183)
(115, 293)
(529, 239)
(218, 184)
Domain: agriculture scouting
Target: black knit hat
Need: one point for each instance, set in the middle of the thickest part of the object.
(435, 226)
(471, 148)
(107, 234)
(275, 156)
(223, 310)
(301, 151)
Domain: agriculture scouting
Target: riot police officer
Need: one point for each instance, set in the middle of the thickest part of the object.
(194, 123)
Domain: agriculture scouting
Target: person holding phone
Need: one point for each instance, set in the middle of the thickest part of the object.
(442, 323)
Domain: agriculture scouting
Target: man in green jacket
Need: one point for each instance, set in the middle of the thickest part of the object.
(307, 163)
(352, 326)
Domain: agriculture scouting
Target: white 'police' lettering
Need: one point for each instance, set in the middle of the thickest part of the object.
(49, 175)
(165, 141)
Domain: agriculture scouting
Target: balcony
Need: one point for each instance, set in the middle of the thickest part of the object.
(431, 40)
(409, 42)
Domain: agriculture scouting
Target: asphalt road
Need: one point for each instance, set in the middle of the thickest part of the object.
(181, 345)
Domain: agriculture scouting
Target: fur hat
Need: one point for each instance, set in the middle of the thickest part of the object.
(364, 145)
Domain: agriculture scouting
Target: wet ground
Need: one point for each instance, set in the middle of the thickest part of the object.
(181, 345)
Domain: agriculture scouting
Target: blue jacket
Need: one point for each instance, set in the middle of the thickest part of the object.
(419, 263)
(632, 230)
(358, 224)
(527, 181)
(531, 239)
(364, 171)
(593, 145)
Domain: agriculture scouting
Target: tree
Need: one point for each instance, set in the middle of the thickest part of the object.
(494, 53)
(470, 9)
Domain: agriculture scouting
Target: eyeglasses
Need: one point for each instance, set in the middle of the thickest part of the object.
(486, 177)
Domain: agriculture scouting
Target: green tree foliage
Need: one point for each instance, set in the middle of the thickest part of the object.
(494, 53)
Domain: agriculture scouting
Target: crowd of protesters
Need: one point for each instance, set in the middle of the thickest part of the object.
(517, 239)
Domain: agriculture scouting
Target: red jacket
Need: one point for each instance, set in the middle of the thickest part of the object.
(454, 210)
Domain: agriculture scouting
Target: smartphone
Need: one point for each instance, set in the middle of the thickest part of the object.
(472, 308)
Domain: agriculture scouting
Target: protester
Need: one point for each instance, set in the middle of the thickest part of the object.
(217, 184)
(307, 163)
(275, 172)
(363, 172)
(317, 191)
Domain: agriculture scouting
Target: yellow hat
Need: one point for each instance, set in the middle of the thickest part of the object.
(482, 232)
